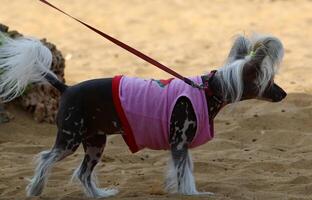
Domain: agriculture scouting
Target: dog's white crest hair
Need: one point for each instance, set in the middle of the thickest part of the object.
(243, 51)
(23, 60)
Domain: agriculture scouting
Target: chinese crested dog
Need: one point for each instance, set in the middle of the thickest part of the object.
(155, 114)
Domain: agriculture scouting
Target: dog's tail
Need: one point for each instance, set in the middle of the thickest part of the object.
(23, 61)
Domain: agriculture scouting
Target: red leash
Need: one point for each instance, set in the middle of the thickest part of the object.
(130, 49)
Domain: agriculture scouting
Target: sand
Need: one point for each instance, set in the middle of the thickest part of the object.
(261, 150)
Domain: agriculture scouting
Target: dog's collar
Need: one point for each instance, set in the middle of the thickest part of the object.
(215, 102)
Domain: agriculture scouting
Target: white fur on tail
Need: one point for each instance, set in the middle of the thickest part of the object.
(22, 61)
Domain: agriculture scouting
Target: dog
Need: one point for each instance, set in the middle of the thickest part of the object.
(155, 114)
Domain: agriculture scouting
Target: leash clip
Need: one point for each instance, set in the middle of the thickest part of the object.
(193, 84)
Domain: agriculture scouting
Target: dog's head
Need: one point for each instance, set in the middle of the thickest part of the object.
(250, 70)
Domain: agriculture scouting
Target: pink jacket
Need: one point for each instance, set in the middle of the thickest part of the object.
(145, 106)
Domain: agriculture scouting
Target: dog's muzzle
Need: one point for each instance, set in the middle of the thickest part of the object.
(277, 93)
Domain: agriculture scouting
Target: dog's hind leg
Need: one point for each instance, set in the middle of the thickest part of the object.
(68, 139)
(45, 162)
(94, 147)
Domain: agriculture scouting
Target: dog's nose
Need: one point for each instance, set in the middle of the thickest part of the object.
(284, 94)
(280, 96)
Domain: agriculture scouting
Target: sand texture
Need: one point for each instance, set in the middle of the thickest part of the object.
(262, 151)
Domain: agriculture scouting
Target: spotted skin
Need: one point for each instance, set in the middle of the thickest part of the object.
(183, 127)
(94, 147)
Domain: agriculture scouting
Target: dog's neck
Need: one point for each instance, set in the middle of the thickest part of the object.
(215, 98)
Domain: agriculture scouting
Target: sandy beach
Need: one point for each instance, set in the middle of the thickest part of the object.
(261, 150)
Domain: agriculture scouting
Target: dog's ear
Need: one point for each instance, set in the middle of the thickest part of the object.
(265, 54)
(240, 49)
(275, 50)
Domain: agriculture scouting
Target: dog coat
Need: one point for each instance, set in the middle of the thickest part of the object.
(144, 108)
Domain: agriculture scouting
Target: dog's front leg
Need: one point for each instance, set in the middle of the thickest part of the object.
(180, 177)
(182, 131)
(183, 125)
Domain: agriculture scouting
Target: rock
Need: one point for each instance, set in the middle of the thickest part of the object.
(4, 28)
(4, 115)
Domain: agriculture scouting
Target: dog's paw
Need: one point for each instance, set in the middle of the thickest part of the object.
(204, 193)
(110, 192)
(196, 193)
(104, 192)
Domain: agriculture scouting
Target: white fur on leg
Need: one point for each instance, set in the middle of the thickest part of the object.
(45, 161)
(89, 183)
(171, 182)
(187, 181)
(187, 185)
